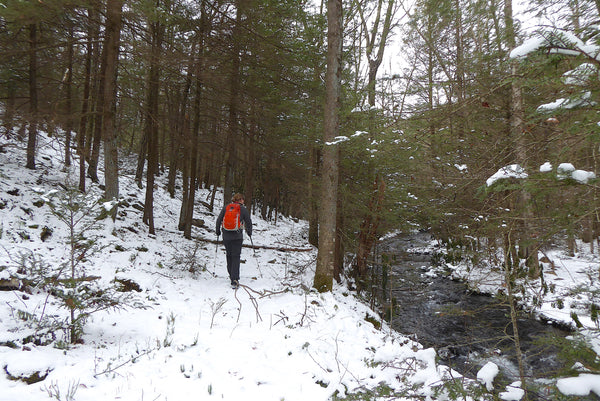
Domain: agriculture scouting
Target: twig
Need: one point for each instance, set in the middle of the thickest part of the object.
(251, 246)
(133, 358)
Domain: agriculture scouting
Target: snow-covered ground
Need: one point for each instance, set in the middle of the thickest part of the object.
(186, 335)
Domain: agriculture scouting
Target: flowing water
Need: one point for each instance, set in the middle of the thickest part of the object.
(466, 329)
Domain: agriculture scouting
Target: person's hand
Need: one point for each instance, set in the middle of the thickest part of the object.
(218, 233)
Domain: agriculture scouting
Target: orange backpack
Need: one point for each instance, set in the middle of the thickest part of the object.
(231, 219)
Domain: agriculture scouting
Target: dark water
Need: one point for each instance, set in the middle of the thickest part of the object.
(466, 329)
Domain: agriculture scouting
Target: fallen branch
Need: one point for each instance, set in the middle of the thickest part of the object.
(275, 248)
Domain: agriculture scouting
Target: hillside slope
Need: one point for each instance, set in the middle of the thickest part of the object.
(179, 332)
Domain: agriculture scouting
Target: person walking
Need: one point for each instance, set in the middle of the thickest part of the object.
(233, 220)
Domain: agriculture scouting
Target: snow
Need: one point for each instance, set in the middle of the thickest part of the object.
(558, 42)
(563, 171)
(193, 337)
(546, 167)
(581, 75)
(568, 103)
(514, 392)
(583, 176)
(186, 334)
(487, 374)
(337, 140)
(568, 170)
(511, 171)
(582, 385)
(529, 46)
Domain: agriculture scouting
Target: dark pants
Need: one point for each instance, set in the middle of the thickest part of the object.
(233, 250)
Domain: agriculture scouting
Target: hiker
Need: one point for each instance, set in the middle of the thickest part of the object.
(233, 220)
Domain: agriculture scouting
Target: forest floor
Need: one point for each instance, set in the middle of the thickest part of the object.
(177, 331)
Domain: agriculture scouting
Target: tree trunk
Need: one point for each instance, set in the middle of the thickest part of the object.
(96, 135)
(185, 169)
(10, 108)
(141, 157)
(109, 134)
(232, 133)
(84, 115)
(368, 229)
(68, 99)
(249, 179)
(460, 75)
(33, 98)
(151, 127)
(517, 131)
(82, 145)
(338, 267)
(510, 266)
(313, 188)
(193, 161)
(178, 127)
(195, 132)
(374, 52)
(329, 187)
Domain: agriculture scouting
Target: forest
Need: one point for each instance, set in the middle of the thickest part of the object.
(473, 121)
(362, 117)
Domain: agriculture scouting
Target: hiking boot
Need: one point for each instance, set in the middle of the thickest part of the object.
(235, 284)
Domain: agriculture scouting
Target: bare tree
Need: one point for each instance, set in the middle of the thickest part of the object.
(375, 42)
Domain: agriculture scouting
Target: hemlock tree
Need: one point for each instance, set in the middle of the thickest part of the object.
(156, 34)
(329, 186)
(110, 61)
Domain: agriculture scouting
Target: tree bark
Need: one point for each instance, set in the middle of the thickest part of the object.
(374, 52)
(185, 169)
(84, 110)
(193, 162)
(33, 98)
(368, 229)
(142, 153)
(517, 131)
(329, 187)
(95, 140)
(69, 98)
(10, 108)
(195, 132)
(151, 125)
(178, 127)
(249, 180)
(232, 133)
(109, 134)
(313, 192)
(83, 140)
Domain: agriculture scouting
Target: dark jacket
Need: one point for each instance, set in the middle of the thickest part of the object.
(238, 234)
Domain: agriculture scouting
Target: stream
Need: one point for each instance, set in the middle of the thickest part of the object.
(466, 329)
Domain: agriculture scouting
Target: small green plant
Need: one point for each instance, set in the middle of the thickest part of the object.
(574, 350)
(382, 391)
(187, 259)
(459, 388)
(80, 293)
